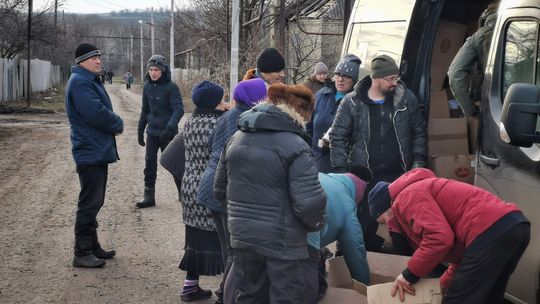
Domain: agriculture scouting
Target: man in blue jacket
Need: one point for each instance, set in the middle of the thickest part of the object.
(93, 126)
(161, 111)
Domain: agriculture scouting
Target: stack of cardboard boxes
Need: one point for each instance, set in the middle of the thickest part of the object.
(448, 138)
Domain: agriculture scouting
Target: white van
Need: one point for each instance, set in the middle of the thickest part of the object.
(421, 35)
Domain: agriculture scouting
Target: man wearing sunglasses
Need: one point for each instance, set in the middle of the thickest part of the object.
(378, 125)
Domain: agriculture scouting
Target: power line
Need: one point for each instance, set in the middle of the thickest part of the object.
(119, 37)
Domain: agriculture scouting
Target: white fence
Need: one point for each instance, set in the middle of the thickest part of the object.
(13, 81)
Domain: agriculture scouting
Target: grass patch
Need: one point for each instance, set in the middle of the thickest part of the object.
(50, 101)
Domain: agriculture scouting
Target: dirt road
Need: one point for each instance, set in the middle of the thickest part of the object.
(38, 194)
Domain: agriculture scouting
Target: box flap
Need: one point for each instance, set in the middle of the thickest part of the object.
(338, 273)
(336, 295)
(428, 291)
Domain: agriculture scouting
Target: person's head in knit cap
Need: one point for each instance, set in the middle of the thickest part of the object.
(297, 97)
(88, 57)
(384, 74)
(156, 66)
(270, 65)
(250, 92)
(379, 200)
(207, 94)
(320, 71)
(346, 73)
(360, 176)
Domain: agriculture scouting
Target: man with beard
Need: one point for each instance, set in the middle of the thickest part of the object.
(378, 125)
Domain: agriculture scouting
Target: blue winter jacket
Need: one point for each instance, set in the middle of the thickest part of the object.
(161, 105)
(226, 126)
(92, 121)
(342, 224)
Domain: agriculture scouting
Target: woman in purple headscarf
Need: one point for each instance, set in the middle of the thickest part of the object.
(246, 95)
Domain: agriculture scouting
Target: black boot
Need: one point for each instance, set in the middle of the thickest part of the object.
(83, 253)
(99, 252)
(148, 200)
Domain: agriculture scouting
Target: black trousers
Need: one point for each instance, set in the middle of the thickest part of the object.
(153, 145)
(220, 219)
(483, 274)
(260, 279)
(93, 180)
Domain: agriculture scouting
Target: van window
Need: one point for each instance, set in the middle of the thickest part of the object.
(520, 54)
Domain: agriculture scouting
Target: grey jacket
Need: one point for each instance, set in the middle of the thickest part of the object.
(267, 180)
(473, 50)
(350, 134)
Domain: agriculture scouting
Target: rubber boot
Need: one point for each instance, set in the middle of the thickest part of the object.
(148, 199)
(99, 252)
(83, 253)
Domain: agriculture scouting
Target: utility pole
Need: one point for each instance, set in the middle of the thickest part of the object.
(131, 55)
(171, 47)
(152, 29)
(235, 29)
(142, 54)
(29, 87)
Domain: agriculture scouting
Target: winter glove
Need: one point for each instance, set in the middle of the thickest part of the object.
(166, 135)
(141, 139)
(418, 164)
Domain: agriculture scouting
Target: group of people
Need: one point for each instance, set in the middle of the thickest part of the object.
(270, 178)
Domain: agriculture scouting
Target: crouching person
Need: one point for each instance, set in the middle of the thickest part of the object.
(479, 235)
(267, 180)
(343, 193)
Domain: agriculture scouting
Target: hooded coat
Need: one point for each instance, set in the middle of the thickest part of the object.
(350, 132)
(161, 105)
(341, 224)
(267, 180)
(441, 218)
(92, 121)
(313, 84)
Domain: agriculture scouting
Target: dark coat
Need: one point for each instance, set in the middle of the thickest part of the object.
(323, 116)
(267, 179)
(349, 136)
(313, 84)
(173, 157)
(226, 126)
(92, 120)
(161, 105)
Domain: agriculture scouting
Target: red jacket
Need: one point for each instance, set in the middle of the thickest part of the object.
(441, 217)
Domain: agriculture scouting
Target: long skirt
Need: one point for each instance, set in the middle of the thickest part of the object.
(202, 253)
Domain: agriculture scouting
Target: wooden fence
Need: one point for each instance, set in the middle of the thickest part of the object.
(13, 80)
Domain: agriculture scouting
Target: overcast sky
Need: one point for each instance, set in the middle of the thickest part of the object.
(105, 6)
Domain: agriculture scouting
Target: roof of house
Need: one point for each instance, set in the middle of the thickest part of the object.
(316, 9)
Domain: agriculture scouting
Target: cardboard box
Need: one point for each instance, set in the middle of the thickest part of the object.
(456, 167)
(472, 129)
(438, 75)
(448, 40)
(438, 105)
(448, 136)
(384, 268)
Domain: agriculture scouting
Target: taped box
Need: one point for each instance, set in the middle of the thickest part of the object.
(448, 136)
(456, 167)
(384, 268)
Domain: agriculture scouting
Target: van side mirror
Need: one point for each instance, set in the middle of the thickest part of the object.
(520, 114)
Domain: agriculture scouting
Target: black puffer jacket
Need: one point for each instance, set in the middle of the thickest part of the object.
(267, 180)
(349, 136)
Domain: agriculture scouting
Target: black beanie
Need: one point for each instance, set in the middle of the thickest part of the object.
(382, 66)
(379, 199)
(85, 51)
(207, 94)
(270, 60)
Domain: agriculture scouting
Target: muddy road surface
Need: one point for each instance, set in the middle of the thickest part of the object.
(38, 194)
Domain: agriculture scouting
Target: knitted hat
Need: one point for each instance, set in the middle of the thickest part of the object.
(85, 51)
(157, 61)
(299, 97)
(207, 94)
(270, 60)
(382, 66)
(320, 68)
(250, 92)
(360, 186)
(379, 199)
(349, 65)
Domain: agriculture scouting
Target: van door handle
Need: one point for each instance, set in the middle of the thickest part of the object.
(490, 161)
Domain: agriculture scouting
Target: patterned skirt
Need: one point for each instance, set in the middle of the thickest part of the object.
(202, 252)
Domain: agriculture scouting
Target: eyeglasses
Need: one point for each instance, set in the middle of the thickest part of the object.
(342, 76)
(393, 79)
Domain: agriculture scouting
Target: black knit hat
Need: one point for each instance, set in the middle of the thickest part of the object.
(270, 60)
(207, 94)
(85, 51)
(157, 61)
(382, 66)
(379, 199)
